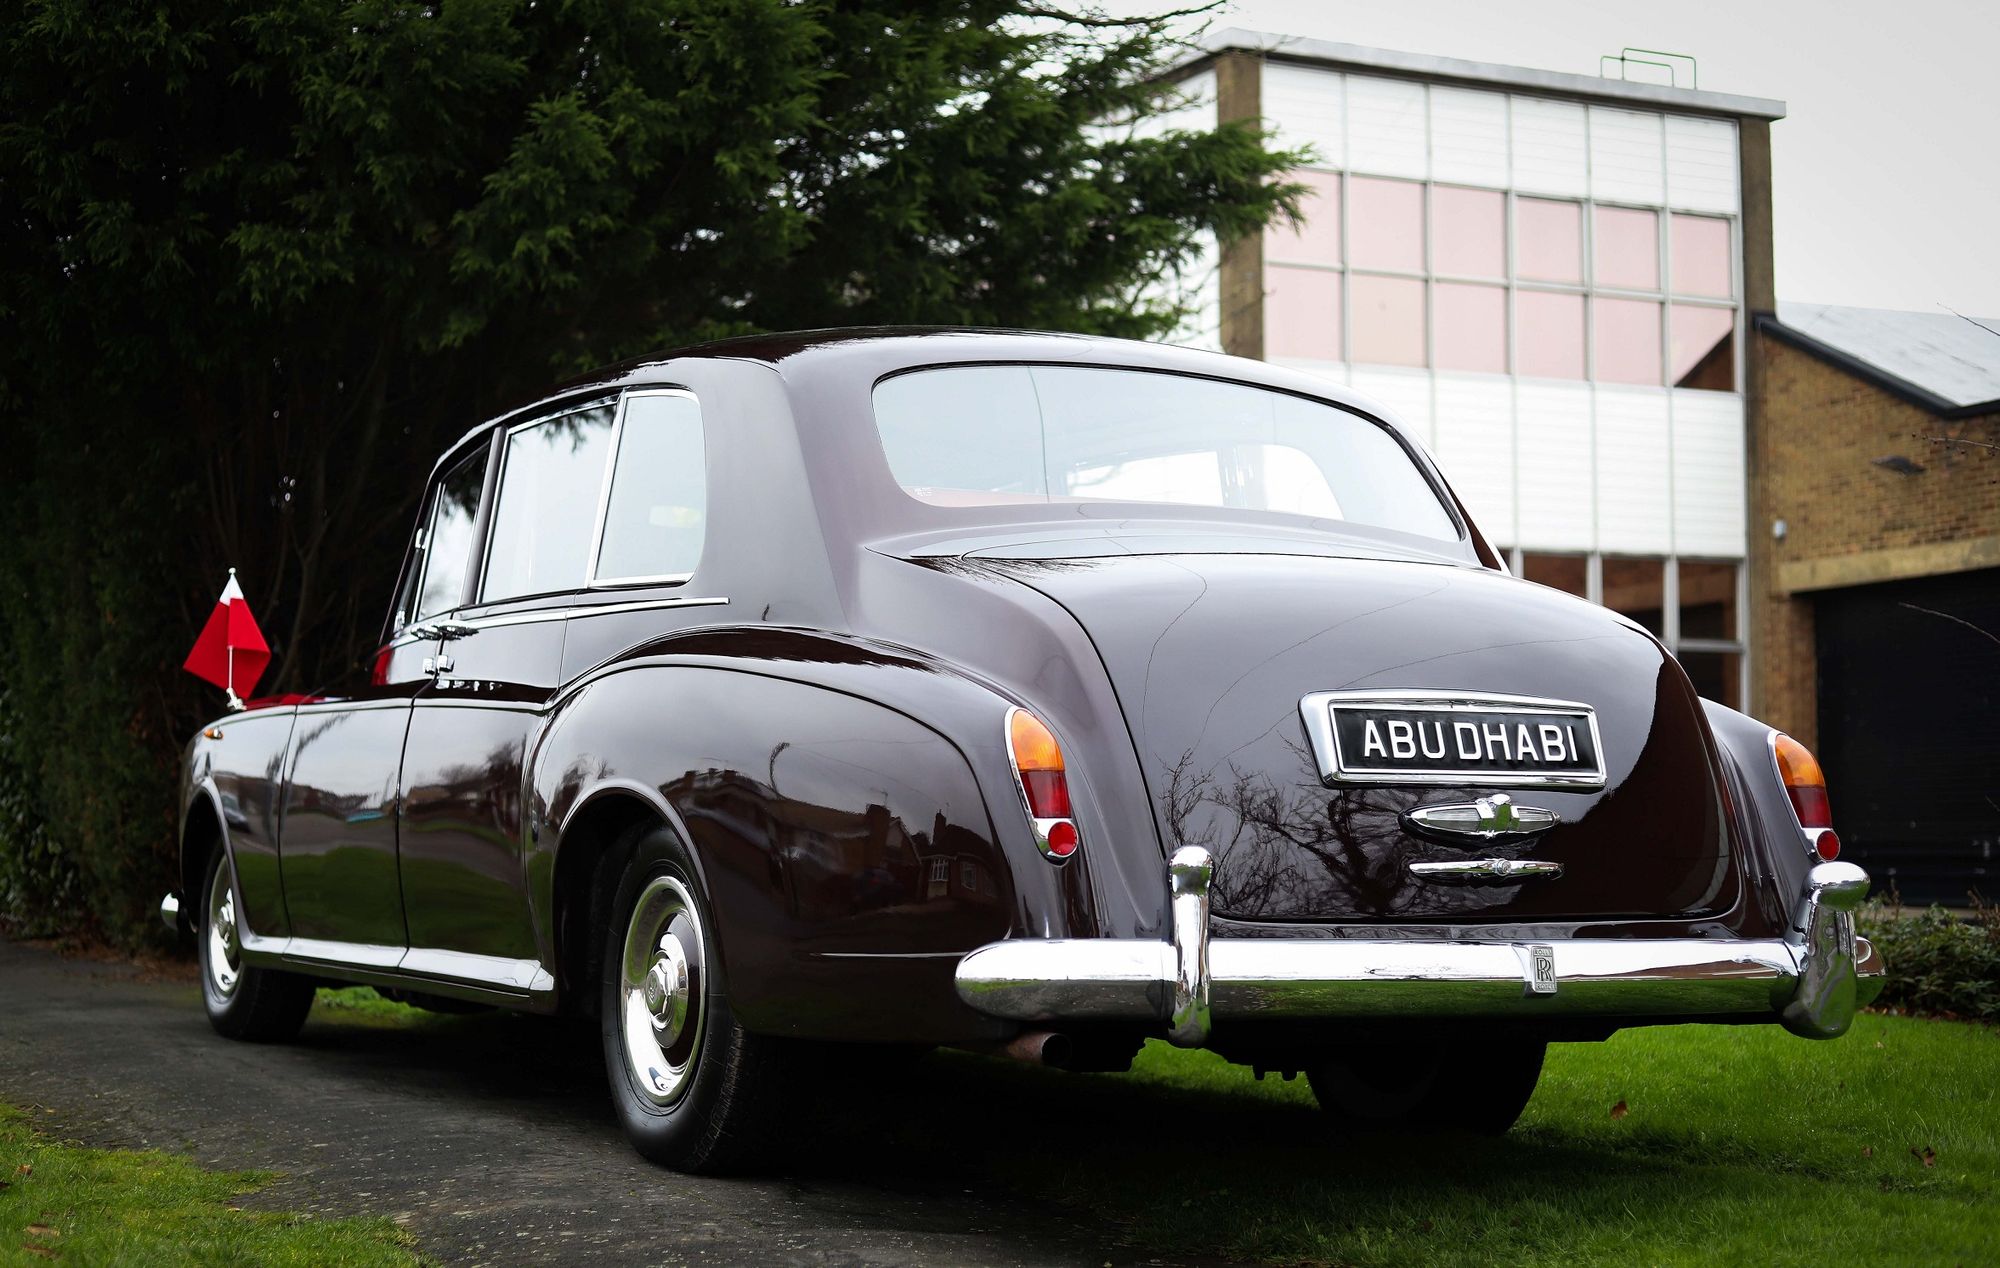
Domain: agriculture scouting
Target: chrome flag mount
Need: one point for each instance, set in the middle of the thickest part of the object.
(231, 652)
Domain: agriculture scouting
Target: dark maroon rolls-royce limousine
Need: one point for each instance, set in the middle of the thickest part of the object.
(1016, 692)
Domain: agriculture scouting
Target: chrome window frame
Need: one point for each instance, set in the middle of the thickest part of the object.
(500, 487)
(592, 581)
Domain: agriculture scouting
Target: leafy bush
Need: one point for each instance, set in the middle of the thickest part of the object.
(1939, 963)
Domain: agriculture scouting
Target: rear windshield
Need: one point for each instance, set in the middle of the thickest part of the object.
(1001, 435)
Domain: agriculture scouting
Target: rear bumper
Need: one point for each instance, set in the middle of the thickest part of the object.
(1812, 981)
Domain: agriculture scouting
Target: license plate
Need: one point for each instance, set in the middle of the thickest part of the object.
(1420, 737)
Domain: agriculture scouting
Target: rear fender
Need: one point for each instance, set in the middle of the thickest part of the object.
(845, 846)
(1775, 852)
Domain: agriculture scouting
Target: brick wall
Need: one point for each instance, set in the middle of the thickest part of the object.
(1817, 433)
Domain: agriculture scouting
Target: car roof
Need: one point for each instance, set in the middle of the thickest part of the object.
(879, 350)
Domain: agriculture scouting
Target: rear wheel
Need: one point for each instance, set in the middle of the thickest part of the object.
(243, 1002)
(1411, 1087)
(692, 1088)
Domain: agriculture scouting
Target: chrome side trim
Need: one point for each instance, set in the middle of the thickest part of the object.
(1314, 710)
(1475, 871)
(403, 966)
(483, 970)
(642, 605)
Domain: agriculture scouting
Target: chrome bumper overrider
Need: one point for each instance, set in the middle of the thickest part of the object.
(1812, 981)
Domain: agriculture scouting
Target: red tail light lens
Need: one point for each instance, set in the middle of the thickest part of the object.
(1827, 845)
(1804, 783)
(1038, 765)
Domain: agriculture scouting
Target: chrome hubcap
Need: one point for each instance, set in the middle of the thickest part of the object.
(660, 984)
(224, 951)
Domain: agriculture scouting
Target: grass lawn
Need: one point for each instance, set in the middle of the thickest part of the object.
(1734, 1145)
(1683, 1144)
(65, 1203)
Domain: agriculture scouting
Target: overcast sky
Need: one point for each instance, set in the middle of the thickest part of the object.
(1886, 168)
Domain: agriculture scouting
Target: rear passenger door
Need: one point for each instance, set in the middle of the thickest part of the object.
(497, 665)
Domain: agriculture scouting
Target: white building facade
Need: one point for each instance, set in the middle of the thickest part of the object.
(1547, 277)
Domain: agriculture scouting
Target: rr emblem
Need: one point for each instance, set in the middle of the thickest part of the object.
(1541, 970)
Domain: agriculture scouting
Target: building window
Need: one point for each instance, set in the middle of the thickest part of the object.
(968, 876)
(1626, 249)
(1638, 589)
(940, 878)
(1548, 241)
(1691, 605)
(1388, 319)
(1568, 573)
(1413, 273)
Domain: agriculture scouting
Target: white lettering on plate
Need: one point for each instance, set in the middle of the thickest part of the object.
(1371, 741)
(1466, 736)
(1402, 742)
(1552, 743)
(1424, 738)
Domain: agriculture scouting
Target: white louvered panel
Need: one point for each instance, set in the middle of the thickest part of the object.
(1475, 447)
(1709, 496)
(1332, 371)
(1303, 105)
(1386, 132)
(1195, 111)
(1627, 156)
(1406, 392)
(1702, 164)
(1550, 152)
(1552, 421)
(1634, 495)
(1199, 288)
(1469, 137)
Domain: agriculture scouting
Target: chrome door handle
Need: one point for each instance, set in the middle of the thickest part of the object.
(444, 630)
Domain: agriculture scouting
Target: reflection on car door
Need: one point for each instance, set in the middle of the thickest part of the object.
(464, 883)
(337, 854)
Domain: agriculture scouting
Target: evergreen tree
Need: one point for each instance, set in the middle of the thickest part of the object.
(260, 260)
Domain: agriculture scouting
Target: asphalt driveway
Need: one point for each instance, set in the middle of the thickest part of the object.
(489, 1138)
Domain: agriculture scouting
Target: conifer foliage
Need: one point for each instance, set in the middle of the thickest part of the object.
(261, 260)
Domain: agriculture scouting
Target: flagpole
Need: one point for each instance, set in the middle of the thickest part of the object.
(235, 702)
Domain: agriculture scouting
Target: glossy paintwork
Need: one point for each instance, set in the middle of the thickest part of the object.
(338, 851)
(239, 779)
(1210, 654)
(819, 710)
(464, 884)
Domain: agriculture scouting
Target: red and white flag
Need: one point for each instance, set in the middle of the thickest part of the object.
(231, 652)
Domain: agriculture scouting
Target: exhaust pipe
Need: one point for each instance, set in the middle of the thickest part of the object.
(1041, 1047)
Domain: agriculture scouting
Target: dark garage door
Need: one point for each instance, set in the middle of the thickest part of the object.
(1909, 731)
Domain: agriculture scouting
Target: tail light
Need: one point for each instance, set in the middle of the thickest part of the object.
(1044, 784)
(1805, 784)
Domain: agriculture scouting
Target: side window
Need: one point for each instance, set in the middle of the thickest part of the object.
(658, 506)
(444, 546)
(549, 484)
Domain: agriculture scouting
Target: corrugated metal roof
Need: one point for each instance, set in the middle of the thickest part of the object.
(1954, 359)
(1458, 70)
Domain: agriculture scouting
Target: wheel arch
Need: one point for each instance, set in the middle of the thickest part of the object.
(580, 895)
(202, 829)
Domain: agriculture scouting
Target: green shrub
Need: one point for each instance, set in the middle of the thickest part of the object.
(1939, 963)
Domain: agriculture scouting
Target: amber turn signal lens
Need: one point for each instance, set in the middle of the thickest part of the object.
(1804, 783)
(1038, 761)
(1035, 746)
